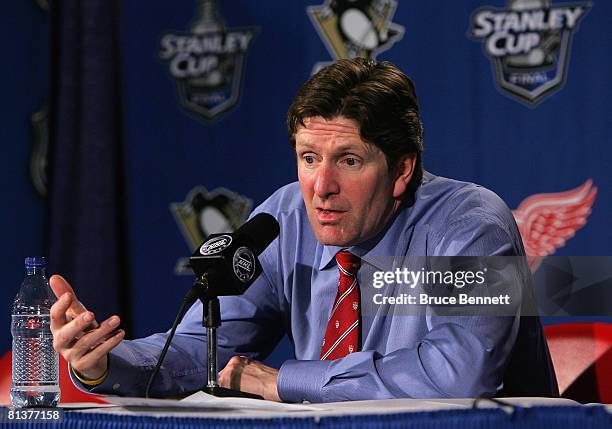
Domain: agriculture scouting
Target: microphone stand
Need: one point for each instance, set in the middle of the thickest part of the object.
(231, 259)
(211, 320)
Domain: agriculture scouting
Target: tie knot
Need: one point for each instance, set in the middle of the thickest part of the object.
(348, 263)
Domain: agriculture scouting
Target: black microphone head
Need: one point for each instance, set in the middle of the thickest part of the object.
(260, 231)
(230, 260)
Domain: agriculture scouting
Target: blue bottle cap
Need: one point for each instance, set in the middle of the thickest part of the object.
(35, 261)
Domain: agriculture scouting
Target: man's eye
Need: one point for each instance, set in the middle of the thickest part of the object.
(309, 159)
(351, 161)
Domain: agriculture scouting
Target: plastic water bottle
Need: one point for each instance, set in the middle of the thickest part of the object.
(35, 363)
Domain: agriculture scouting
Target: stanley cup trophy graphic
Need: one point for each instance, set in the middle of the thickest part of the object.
(209, 22)
(207, 62)
(208, 19)
(542, 55)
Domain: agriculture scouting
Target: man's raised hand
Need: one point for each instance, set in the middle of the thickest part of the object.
(77, 336)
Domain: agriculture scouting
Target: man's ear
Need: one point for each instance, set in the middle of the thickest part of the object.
(403, 174)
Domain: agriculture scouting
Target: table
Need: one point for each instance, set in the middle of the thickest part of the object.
(528, 413)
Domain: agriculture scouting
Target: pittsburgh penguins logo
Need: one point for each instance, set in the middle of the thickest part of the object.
(204, 213)
(357, 28)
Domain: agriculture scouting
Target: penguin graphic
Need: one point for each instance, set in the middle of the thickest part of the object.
(360, 28)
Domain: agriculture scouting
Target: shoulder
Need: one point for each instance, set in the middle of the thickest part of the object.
(286, 205)
(285, 202)
(467, 214)
(457, 201)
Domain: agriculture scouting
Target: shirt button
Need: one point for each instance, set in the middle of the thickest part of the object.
(116, 386)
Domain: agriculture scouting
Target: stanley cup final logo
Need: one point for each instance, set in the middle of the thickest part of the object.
(207, 62)
(528, 43)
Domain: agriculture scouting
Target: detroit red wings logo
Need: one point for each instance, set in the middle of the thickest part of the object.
(547, 221)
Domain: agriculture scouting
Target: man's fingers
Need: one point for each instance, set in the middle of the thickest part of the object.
(250, 376)
(60, 286)
(64, 338)
(58, 311)
(224, 379)
(236, 377)
(94, 337)
(94, 356)
(236, 366)
(231, 375)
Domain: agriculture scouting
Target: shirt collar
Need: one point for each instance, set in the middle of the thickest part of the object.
(379, 256)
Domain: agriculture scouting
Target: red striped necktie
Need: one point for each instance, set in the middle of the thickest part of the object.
(343, 332)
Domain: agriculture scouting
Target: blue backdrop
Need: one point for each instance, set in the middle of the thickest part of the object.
(514, 95)
(24, 80)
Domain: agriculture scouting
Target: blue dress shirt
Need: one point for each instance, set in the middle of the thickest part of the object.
(416, 356)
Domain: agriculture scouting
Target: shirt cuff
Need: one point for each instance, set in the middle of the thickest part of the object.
(122, 378)
(302, 380)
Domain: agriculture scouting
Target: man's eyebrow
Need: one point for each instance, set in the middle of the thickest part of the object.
(303, 145)
(351, 147)
(340, 149)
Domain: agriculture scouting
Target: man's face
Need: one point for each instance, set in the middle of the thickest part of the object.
(348, 190)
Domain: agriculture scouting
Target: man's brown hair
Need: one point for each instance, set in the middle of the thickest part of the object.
(378, 96)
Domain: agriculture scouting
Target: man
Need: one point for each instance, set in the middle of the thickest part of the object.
(362, 203)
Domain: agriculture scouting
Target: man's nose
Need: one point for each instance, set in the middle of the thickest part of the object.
(326, 183)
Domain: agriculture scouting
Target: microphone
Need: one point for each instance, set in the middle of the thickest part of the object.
(227, 264)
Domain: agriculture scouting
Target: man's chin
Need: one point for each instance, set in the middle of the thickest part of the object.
(333, 238)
